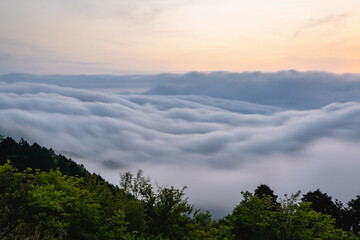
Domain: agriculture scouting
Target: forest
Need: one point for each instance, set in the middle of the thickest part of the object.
(44, 195)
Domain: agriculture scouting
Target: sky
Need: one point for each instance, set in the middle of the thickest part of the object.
(156, 36)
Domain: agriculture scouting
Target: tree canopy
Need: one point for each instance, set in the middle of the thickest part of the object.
(48, 196)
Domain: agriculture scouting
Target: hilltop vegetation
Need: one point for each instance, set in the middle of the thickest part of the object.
(44, 195)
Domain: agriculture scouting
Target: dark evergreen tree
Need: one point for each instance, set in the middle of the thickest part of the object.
(353, 215)
(264, 189)
(323, 203)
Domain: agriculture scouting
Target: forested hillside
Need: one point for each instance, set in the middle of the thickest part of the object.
(44, 195)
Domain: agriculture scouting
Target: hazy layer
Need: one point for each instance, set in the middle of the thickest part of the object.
(306, 137)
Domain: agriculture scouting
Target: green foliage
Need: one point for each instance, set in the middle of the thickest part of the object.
(202, 227)
(61, 200)
(323, 203)
(115, 227)
(47, 205)
(138, 187)
(256, 218)
(167, 211)
(252, 218)
(135, 215)
(14, 199)
(23, 155)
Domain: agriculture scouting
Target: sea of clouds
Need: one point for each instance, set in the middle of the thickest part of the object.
(217, 133)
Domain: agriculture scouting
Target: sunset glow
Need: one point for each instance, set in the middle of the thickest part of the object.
(153, 36)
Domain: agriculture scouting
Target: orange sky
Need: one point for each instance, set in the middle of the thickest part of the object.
(152, 36)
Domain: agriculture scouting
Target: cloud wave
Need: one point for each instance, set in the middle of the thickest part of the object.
(210, 144)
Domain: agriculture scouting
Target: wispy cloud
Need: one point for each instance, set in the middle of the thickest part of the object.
(329, 19)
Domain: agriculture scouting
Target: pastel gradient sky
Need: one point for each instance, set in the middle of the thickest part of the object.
(152, 36)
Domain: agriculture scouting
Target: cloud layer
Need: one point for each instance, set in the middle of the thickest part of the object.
(216, 146)
(284, 89)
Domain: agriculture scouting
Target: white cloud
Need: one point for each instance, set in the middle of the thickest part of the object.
(217, 147)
